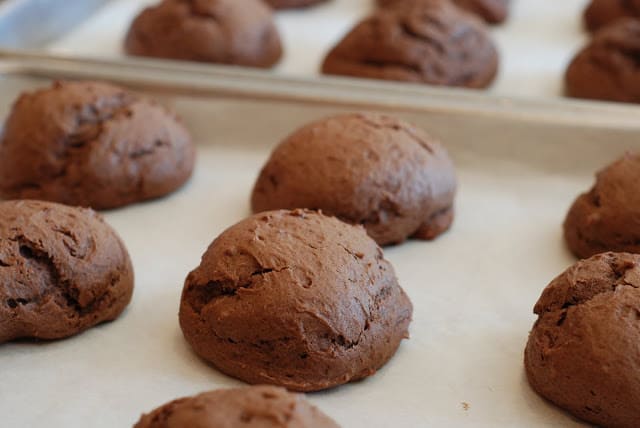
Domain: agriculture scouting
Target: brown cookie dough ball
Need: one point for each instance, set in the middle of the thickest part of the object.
(492, 11)
(92, 144)
(367, 169)
(250, 407)
(239, 32)
(290, 4)
(583, 353)
(601, 13)
(607, 68)
(426, 41)
(295, 299)
(62, 271)
(607, 218)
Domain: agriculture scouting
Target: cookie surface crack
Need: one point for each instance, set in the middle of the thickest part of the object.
(205, 294)
(584, 292)
(29, 251)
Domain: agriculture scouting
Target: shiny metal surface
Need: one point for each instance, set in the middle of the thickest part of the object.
(33, 23)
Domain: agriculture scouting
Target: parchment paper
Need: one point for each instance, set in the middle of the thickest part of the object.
(536, 43)
(473, 289)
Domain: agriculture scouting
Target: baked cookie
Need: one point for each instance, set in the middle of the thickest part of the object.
(607, 68)
(367, 169)
(294, 299)
(290, 4)
(238, 32)
(250, 407)
(62, 271)
(92, 144)
(491, 11)
(601, 13)
(426, 41)
(606, 217)
(583, 353)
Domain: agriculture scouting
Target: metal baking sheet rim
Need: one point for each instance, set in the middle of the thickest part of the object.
(218, 80)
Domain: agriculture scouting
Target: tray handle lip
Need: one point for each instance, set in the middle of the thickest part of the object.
(221, 80)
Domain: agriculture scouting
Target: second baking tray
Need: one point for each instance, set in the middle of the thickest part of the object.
(532, 61)
(520, 166)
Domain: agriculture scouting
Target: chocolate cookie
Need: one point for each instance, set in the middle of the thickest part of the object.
(239, 32)
(295, 299)
(92, 144)
(289, 4)
(426, 41)
(62, 270)
(583, 352)
(607, 68)
(250, 407)
(367, 169)
(606, 217)
(492, 11)
(601, 13)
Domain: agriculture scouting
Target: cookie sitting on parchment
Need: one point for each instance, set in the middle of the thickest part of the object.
(236, 32)
(62, 271)
(424, 41)
(369, 169)
(607, 68)
(92, 144)
(295, 299)
(606, 218)
(583, 352)
(250, 407)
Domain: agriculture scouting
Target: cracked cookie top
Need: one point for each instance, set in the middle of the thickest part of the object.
(492, 11)
(92, 144)
(295, 299)
(369, 169)
(583, 352)
(424, 41)
(608, 67)
(239, 32)
(606, 218)
(62, 270)
(249, 407)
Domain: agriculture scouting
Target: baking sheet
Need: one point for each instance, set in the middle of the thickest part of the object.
(473, 289)
(535, 44)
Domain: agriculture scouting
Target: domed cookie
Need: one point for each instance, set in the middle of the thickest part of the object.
(92, 144)
(607, 68)
(250, 407)
(239, 32)
(289, 4)
(294, 299)
(583, 353)
(367, 169)
(426, 41)
(601, 13)
(62, 271)
(491, 11)
(606, 217)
